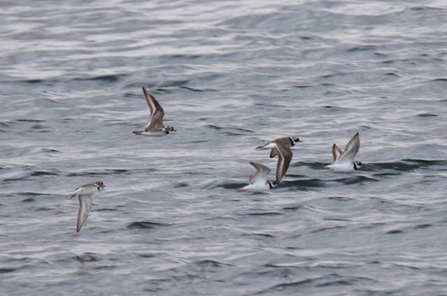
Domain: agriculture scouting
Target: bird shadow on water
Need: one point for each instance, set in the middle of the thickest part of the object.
(90, 262)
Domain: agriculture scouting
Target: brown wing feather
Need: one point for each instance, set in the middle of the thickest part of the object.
(284, 159)
(152, 102)
(157, 113)
(351, 150)
(273, 153)
(336, 152)
(156, 122)
(353, 141)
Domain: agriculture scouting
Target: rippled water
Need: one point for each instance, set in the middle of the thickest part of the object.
(230, 76)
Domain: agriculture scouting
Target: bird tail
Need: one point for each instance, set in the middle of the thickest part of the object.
(261, 147)
(75, 193)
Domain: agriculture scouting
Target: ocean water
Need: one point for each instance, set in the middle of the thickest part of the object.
(230, 76)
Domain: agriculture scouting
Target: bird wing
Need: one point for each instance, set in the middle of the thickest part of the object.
(261, 173)
(85, 204)
(336, 152)
(351, 150)
(273, 153)
(156, 122)
(157, 112)
(284, 159)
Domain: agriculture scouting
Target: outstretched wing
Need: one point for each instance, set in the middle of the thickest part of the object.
(261, 173)
(85, 204)
(351, 150)
(336, 152)
(284, 159)
(157, 112)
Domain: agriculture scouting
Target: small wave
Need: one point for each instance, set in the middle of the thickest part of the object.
(174, 83)
(440, 80)
(105, 78)
(395, 231)
(31, 194)
(294, 208)
(29, 120)
(357, 179)
(34, 81)
(230, 130)
(48, 150)
(267, 235)
(147, 255)
(86, 257)
(210, 263)
(423, 226)
(43, 209)
(361, 48)
(333, 280)
(392, 74)
(192, 89)
(146, 225)
(350, 178)
(340, 198)
(263, 214)
(302, 183)
(7, 269)
(327, 229)
(302, 86)
(409, 164)
(215, 127)
(45, 173)
(427, 115)
(334, 108)
(170, 57)
(109, 172)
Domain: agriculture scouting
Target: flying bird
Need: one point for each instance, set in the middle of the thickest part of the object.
(281, 147)
(84, 193)
(344, 160)
(258, 181)
(155, 125)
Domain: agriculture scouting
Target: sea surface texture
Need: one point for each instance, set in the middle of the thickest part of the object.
(230, 75)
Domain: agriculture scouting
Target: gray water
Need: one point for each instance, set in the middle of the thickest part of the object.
(230, 75)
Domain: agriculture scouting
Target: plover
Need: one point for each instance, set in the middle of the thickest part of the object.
(258, 181)
(155, 125)
(84, 193)
(282, 148)
(344, 160)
